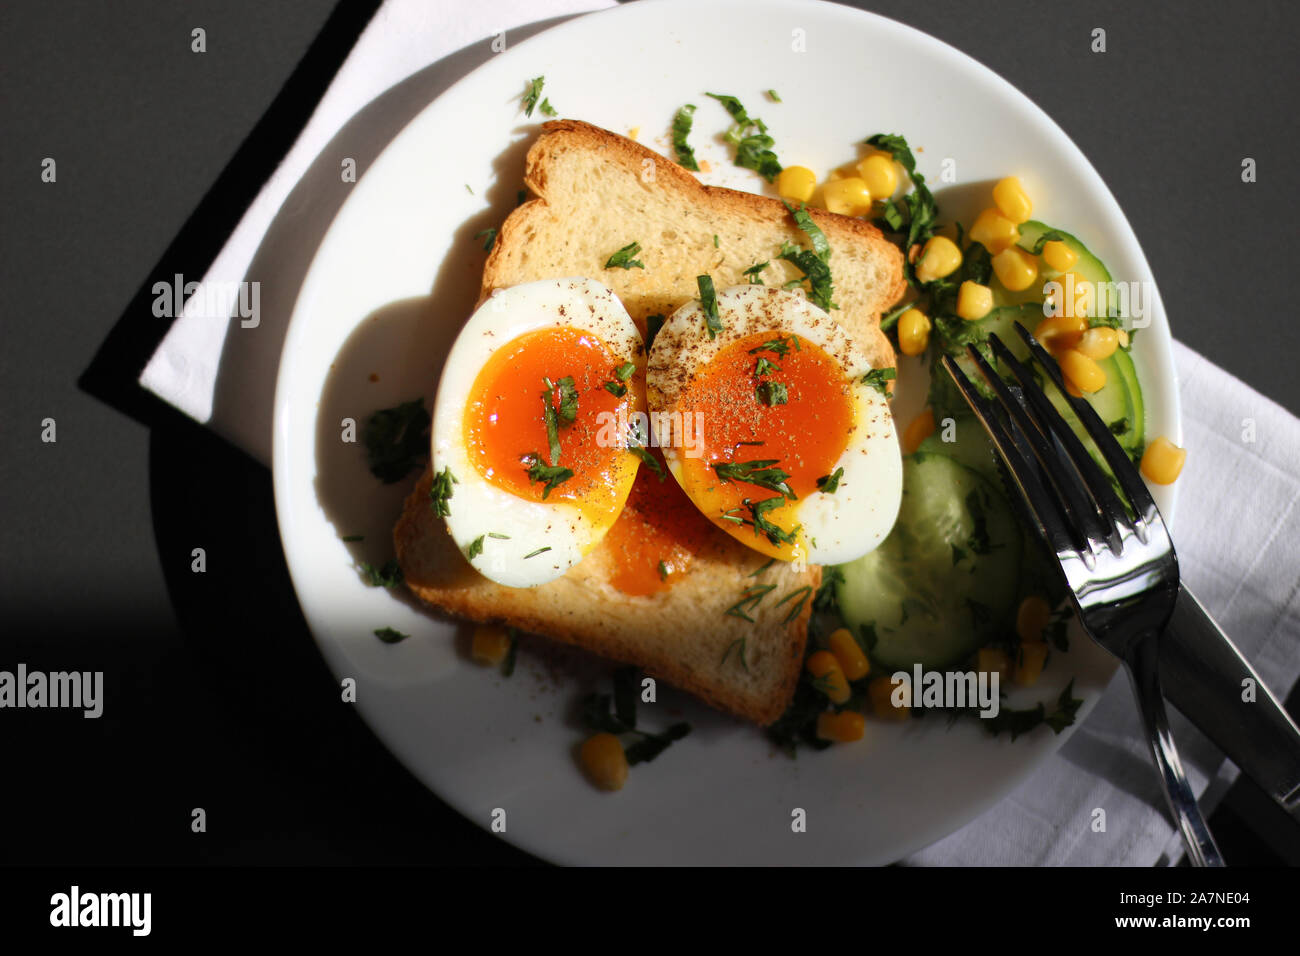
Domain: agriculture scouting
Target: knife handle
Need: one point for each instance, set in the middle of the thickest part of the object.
(1203, 675)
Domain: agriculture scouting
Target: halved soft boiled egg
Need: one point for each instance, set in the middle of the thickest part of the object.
(770, 422)
(530, 427)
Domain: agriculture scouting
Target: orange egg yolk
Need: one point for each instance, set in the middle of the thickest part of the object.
(505, 420)
(657, 535)
(805, 434)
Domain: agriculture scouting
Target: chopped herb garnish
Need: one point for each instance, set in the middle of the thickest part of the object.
(624, 258)
(1037, 248)
(802, 594)
(772, 393)
(762, 473)
(625, 688)
(663, 571)
(763, 567)
(563, 415)
(775, 97)
(739, 646)
(388, 576)
(715, 240)
(534, 91)
(765, 367)
(749, 136)
(709, 299)
(780, 346)
(490, 240)
(877, 378)
(814, 263)
(1119, 426)
(749, 599)
(829, 484)
(890, 318)
(922, 212)
(547, 109)
(503, 537)
(617, 389)
(520, 197)
(512, 652)
(390, 636)
(354, 537)
(568, 409)
(440, 492)
(594, 712)
(653, 323)
(753, 273)
(625, 371)
(476, 547)
(652, 745)
(649, 460)
(396, 440)
(553, 475)
(681, 129)
(826, 599)
(758, 520)
(533, 554)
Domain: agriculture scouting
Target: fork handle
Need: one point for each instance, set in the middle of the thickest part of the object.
(1142, 665)
(1204, 676)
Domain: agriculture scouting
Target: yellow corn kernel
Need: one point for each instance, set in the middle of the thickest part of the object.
(881, 691)
(1162, 462)
(846, 726)
(1059, 332)
(848, 197)
(1009, 196)
(634, 132)
(1076, 296)
(993, 660)
(994, 231)
(921, 428)
(974, 301)
(1029, 663)
(491, 644)
(1085, 374)
(848, 652)
(1059, 256)
(913, 332)
(1032, 617)
(939, 258)
(1015, 268)
(1099, 343)
(797, 183)
(825, 668)
(604, 761)
(879, 174)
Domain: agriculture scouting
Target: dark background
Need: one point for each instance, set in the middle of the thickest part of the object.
(216, 695)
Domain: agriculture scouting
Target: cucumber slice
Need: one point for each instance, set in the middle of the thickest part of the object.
(944, 582)
(970, 446)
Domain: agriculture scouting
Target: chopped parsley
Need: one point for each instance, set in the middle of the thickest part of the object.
(532, 94)
(762, 473)
(758, 519)
(653, 323)
(388, 576)
(772, 393)
(709, 300)
(815, 262)
(753, 273)
(715, 240)
(552, 475)
(825, 598)
(775, 97)
(595, 713)
(476, 547)
(563, 415)
(625, 371)
(396, 440)
(917, 210)
(749, 135)
(1037, 248)
(829, 484)
(440, 492)
(890, 318)
(681, 129)
(491, 239)
(354, 537)
(390, 636)
(780, 346)
(533, 554)
(502, 537)
(877, 378)
(663, 571)
(624, 258)
(617, 389)
(649, 460)
(547, 109)
(765, 367)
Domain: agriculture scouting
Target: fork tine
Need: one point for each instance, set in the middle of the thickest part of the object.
(1079, 508)
(1125, 472)
(1111, 510)
(1035, 502)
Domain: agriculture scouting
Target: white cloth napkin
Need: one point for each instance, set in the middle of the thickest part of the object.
(1244, 564)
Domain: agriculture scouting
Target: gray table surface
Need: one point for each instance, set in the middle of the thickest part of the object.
(97, 526)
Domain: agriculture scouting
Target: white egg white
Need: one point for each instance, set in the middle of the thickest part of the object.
(837, 527)
(481, 509)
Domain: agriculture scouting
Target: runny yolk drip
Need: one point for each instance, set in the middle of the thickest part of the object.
(658, 526)
(806, 435)
(505, 420)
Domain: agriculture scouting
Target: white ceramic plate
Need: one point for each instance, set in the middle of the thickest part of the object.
(398, 272)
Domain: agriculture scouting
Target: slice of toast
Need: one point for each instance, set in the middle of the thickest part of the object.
(600, 191)
(596, 196)
(683, 634)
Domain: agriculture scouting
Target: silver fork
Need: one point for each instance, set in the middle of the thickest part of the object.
(1119, 562)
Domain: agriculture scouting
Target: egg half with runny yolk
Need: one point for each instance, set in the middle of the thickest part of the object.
(530, 429)
(766, 421)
